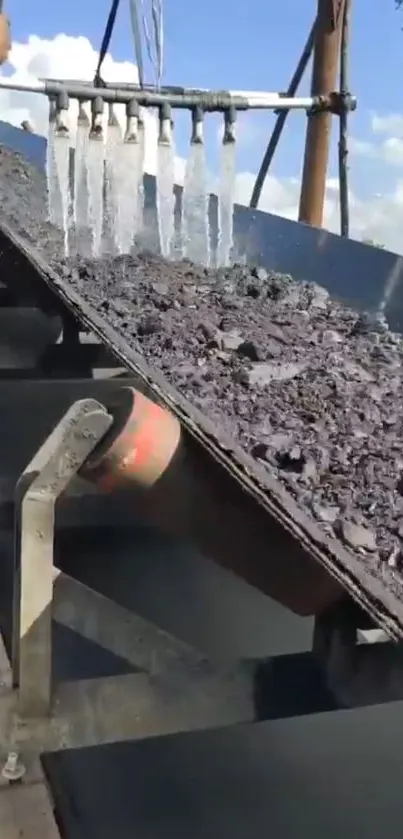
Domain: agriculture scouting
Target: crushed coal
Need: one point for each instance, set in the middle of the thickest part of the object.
(306, 386)
(309, 388)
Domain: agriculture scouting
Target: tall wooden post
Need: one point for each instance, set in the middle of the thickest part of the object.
(324, 80)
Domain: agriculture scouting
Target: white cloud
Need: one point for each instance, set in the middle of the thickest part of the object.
(379, 218)
(389, 151)
(389, 124)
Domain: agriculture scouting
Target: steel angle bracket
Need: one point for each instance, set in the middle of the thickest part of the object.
(42, 482)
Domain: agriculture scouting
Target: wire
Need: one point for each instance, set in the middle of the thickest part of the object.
(137, 13)
(134, 16)
(156, 60)
(157, 16)
(343, 125)
(147, 34)
(106, 41)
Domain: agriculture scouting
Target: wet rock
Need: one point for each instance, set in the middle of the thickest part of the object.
(149, 325)
(160, 288)
(310, 470)
(260, 274)
(292, 460)
(325, 513)
(280, 441)
(317, 297)
(330, 337)
(253, 290)
(357, 536)
(230, 341)
(266, 372)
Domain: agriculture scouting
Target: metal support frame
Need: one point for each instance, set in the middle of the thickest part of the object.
(362, 666)
(44, 479)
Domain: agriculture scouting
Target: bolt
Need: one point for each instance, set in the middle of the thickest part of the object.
(13, 769)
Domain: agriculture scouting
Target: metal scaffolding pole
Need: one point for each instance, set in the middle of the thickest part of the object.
(324, 80)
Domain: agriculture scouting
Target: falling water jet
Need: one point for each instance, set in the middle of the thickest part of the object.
(111, 204)
(80, 201)
(54, 197)
(226, 195)
(127, 173)
(165, 181)
(140, 185)
(96, 156)
(58, 166)
(194, 226)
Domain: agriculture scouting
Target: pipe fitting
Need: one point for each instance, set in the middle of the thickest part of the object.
(132, 121)
(97, 112)
(62, 112)
(165, 125)
(197, 126)
(229, 126)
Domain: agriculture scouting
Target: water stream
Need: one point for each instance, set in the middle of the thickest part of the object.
(195, 226)
(165, 196)
(95, 166)
(58, 170)
(226, 200)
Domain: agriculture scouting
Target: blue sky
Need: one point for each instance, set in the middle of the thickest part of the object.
(253, 45)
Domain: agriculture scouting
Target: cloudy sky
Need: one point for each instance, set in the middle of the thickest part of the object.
(254, 45)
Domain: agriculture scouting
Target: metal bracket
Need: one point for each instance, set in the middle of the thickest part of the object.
(42, 482)
(335, 103)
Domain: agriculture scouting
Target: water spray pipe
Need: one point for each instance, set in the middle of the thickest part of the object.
(211, 101)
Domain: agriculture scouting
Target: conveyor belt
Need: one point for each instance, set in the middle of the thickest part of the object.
(380, 597)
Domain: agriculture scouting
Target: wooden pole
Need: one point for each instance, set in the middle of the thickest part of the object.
(324, 80)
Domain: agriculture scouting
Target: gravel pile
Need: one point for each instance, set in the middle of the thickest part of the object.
(309, 388)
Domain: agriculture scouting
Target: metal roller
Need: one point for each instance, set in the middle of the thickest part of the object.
(141, 444)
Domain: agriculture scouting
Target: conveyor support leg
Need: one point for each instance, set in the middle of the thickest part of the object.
(42, 482)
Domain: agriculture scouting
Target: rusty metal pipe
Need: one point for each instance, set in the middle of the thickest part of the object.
(182, 490)
(324, 79)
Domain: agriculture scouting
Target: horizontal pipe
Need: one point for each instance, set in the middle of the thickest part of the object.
(207, 100)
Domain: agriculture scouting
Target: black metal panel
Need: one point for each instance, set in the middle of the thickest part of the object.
(358, 274)
(334, 775)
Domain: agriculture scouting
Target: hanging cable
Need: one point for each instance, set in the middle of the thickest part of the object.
(157, 16)
(154, 45)
(281, 119)
(98, 82)
(137, 13)
(343, 125)
(134, 16)
(147, 34)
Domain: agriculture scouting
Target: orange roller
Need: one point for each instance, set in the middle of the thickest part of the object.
(139, 446)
